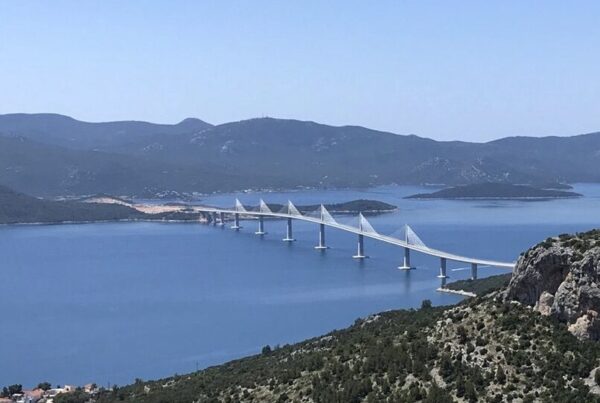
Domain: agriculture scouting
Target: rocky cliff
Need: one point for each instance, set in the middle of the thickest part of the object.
(560, 277)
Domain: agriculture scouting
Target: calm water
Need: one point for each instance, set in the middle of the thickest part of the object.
(111, 302)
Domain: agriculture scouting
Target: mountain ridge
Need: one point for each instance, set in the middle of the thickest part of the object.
(260, 153)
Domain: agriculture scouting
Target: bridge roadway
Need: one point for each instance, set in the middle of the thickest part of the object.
(374, 235)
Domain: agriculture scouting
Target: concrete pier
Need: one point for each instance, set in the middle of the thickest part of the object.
(236, 222)
(473, 271)
(261, 226)
(321, 244)
(289, 237)
(406, 263)
(443, 264)
(360, 252)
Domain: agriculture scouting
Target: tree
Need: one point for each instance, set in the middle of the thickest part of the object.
(44, 385)
(437, 395)
(12, 389)
(500, 375)
(470, 394)
(460, 386)
(426, 304)
(266, 349)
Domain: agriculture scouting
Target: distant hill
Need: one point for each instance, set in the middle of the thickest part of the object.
(495, 191)
(65, 131)
(133, 158)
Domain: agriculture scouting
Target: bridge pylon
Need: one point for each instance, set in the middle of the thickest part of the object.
(261, 226)
(411, 238)
(406, 262)
(443, 264)
(321, 244)
(360, 250)
(236, 222)
(289, 237)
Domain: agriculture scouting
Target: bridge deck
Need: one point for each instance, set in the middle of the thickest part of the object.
(383, 238)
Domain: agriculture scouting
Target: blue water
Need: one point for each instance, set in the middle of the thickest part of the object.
(107, 303)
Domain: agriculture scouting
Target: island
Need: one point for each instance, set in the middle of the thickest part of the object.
(495, 191)
(363, 206)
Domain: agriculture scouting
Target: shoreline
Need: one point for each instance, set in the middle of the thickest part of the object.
(457, 292)
(532, 198)
(126, 220)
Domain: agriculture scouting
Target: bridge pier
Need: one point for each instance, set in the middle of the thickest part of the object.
(321, 244)
(222, 218)
(261, 226)
(473, 271)
(236, 222)
(288, 233)
(214, 218)
(406, 264)
(360, 253)
(442, 268)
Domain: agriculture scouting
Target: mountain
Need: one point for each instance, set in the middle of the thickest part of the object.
(47, 170)
(67, 132)
(502, 346)
(193, 156)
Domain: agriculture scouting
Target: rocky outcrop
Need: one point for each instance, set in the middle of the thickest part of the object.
(561, 277)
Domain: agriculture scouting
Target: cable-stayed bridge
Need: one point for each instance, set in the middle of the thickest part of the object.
(409, 240)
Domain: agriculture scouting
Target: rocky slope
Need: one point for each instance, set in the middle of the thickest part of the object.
(486, 349)
(532, 341)
(560, 277)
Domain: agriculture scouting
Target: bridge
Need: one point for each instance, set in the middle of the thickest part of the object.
(322, 217)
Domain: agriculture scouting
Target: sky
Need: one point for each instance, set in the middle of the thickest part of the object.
(449, 70)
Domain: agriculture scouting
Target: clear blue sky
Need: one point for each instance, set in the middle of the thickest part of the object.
(469, 70)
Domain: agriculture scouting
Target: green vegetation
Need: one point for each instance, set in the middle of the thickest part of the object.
(45, 154)
(350, 207)
(8, 391)
(484, 349)
(77, 396)
(580, 242)
(44, 385)
(481, 286)
(495, 191)
(19, 208)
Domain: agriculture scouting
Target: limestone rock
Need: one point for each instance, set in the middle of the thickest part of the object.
(544, 305)
(561, 278)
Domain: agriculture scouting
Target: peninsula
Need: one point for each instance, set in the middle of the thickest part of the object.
(19, 208)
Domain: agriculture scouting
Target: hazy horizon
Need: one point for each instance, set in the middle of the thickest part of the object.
(469, 71)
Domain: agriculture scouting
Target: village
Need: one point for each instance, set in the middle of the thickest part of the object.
(45, 393)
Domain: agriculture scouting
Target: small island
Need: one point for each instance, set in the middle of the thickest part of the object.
(495, 191)
(363, 206)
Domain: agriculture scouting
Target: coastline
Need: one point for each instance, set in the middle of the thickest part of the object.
(533, 198)
(126, 220)
(458, 292)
